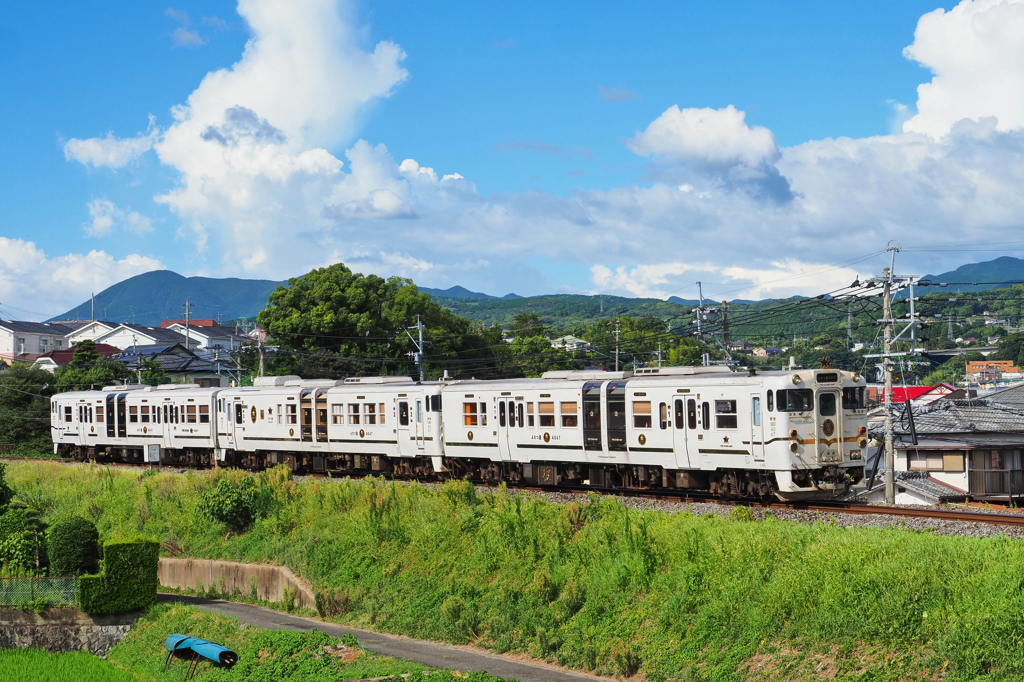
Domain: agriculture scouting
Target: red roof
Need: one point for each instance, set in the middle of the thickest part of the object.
(901, 394)
(192, 323)
(64, 357)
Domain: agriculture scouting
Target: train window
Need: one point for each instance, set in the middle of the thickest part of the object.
(519, 409)
(501, 413)
(190, 414)
(369, 413)
(133, 413)
(853, 398)
(511, 414)
(771, 401)
(641, 414)
(353, 413)
(204, 414)
(469, 415)
(827, 404)
(380, 413)
(419, 411)
(155, 409)
(663, 418)
(238, 412)
(705, 416)
(725, 414)
(99, 413)
(403, 413)
(529, 414)
(755, 405)
(570, 414)
(795, 400)
(691, 414)
(337, 414)
(483, 414)
(680, 418)
(144, 414)
(547, 413)
(291, 414)
(435, 403)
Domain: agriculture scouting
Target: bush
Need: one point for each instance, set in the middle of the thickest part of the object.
(237, 503)
(128, 580)
(74, 547)
(22, 541)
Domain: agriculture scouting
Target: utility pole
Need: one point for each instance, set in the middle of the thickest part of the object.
(726, 336)
(93, 307)
(187, 336)
(616, 332)
(262, 364)
(849, 328)
(418, 355)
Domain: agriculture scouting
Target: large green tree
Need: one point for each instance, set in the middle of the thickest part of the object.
(88, 370)
(334, 322)
(25, 392)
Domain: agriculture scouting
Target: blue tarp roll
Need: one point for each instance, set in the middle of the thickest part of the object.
(214, 652)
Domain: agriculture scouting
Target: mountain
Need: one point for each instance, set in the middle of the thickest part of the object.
(153, 297)
(462, 292)
(993, 274)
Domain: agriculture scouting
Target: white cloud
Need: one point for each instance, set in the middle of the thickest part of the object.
(38, 282)
(976, 51)
(712, 136)
(110, 151)
(186, 37)
(104, 216)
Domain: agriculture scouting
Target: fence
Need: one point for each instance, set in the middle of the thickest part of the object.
(19, 592)
(996, 482)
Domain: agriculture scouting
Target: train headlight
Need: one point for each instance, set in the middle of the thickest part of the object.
(855, 454)
(792, 433)
(797, 379)
(857, 378)
(862, 429)
(863, 442)
(792, 447)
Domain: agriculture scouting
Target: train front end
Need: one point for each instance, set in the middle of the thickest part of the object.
(818, 432)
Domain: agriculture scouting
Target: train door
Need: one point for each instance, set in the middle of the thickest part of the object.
(511, 413)
(679, 433)
(616, 403)
(225, 429)
(320, 405)
(111, 424)
(405, 429)
(829, 428)
(306, 415)
(84, 423)
(419, 425)
(593, 438)
(756, 428)
(122, 416)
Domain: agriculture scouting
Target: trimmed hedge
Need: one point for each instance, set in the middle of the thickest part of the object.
(74, 547)
(128, 580)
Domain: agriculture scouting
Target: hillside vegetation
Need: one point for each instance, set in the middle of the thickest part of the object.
(593, 584)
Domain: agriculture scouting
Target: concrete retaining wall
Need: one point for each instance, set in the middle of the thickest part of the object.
(229, 577)
(60, 630)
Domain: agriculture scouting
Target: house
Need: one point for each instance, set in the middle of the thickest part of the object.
(25, 341)
(968, 448)
(739, 347)
(90, 330)
(192, 323)
(570, 343)
(767, 352)
(127, 335)
(919, 394)
(998, 366)
(208, 336)
(58, 358)
(177, 363)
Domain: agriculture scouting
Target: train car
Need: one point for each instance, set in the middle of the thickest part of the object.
(797, 434)
(170, 424)
(374, 424)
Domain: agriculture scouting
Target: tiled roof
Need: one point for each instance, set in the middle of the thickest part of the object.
(1013, 396)
(962, 416)
(156, 333)
(923, 484)
(65, 356)
(35, 327)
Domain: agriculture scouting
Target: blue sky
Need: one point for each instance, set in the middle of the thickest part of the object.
(632, 148)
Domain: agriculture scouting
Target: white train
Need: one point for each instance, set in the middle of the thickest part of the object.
(797, 434)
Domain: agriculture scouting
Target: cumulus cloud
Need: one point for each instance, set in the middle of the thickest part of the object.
(184, 35)
(105, 216)
(110, 151)
(39, 282)
(712, 136)
(976, 51)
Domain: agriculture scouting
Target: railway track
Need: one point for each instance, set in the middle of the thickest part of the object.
(823, 506)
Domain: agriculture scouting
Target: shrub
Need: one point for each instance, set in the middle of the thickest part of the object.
(74, 547)
(128, 580)
(22, 540)
(237, 503)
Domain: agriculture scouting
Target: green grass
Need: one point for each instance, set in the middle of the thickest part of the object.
(40, 666)
(597, 586)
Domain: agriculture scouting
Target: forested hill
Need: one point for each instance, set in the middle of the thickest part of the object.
(160, 295)
(564, 311)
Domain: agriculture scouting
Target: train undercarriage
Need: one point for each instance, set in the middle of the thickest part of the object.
(727, 483)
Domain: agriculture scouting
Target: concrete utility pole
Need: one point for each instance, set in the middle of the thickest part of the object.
(618, 329)
(418, 355)
(187, 336)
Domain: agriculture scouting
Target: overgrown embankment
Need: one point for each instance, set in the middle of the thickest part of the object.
(593, 584)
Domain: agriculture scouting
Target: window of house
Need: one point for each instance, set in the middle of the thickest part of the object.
(133, 413)
(547, 413)
(353, 413)
(570, 413)
(291, 413)
(44, 344)
(337, 414)
(795, 400)
(641, 414)
(21, 346)
(934, 460)
(58, 344)
(369, 413)
(204, 414)
(725, 414)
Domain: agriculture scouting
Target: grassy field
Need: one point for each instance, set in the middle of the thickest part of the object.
(595, 585)
(39, 666)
